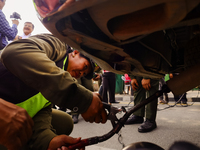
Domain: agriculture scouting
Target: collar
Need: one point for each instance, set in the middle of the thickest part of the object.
(65, 63)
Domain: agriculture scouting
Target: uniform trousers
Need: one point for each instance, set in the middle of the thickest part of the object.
(150, 110)
(109, 82)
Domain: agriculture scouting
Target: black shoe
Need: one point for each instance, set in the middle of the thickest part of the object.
(115, 102)
(75, 118)
(135, 120)
(147, 126)
(184, 104)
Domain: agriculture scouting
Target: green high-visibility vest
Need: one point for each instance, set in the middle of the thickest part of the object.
(36, 102)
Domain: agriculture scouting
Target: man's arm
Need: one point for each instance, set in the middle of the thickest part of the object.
(5, 29)
(134, 84)
(15, 127)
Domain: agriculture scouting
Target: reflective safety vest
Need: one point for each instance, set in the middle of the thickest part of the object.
(36, 102)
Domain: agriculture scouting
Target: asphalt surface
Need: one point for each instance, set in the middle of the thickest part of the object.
(174, 123)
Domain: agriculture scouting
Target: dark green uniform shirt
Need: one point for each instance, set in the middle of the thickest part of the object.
(33, 61)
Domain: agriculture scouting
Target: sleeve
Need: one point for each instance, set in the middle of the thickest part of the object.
(33, 62)
(5, 29)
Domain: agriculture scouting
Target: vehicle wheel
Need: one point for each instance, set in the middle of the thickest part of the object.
(142, 146)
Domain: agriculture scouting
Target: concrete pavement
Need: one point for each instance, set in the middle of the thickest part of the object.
(174, 124)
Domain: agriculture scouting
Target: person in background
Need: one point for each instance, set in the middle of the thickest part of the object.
(6, 32)
(108, 83)
(127, 81)
(143, 88)
(27, 30)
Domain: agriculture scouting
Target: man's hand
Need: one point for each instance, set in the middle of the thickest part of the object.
(134, 84)
(171, 76)
(61, 142)
(15, 22)
(15, 125)
(146, 84)
(96, 112)
(98, 77)
(17, 37)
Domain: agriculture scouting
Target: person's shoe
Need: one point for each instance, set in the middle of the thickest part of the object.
(135, 120)
(184, 104)
(114, 102)
(147, 126)
(75, 119)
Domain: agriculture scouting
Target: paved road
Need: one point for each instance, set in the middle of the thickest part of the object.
(174, 124)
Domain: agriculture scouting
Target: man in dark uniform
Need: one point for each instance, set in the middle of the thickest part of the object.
(143, 88)
(36, 72)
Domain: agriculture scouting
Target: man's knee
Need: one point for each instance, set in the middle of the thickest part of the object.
(62, 122)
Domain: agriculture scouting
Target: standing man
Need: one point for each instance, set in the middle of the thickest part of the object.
(109, 86)
(143, 88)
(6, 32)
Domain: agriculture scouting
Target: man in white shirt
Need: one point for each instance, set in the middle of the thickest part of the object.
(28, 29)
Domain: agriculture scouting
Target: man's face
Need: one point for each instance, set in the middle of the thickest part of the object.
(2, 4)
(28, 28)
(78, 66)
